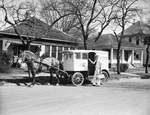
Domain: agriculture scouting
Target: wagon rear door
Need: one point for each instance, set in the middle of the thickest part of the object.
(91, 67)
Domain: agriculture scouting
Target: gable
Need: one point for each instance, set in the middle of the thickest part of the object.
(137, 29)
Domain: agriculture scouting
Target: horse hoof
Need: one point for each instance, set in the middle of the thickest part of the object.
(57, 84)
(31, 85)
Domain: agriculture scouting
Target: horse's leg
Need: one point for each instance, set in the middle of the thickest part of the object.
(39, 68)
(57, 73)
(58, 81)
(51, 75)
(32, 71)
(57, 76)
(28, 66)
(33, 77)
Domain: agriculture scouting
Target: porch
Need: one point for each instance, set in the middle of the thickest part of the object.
(15, 47)
(134, 58)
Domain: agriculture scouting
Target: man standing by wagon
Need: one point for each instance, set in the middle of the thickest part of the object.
(96, 78)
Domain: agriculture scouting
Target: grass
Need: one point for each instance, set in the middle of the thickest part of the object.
(133, 73)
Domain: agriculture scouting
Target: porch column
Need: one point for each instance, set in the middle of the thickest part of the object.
(122, 56)
(50, 51)
(5, 45)
(42, 50)
(111, 56)
(56, 51)
(63, 48)
(141, 57)
(132, 58)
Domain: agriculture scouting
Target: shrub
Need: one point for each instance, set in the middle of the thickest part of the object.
(5, 62)
(123, 67)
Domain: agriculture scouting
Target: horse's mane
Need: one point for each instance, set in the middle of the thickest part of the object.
(27, 55)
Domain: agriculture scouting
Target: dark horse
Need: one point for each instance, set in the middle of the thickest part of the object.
(34, 64)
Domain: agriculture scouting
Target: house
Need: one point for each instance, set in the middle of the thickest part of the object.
(134, 34)
(132, 49)
(48, 40)
(131, 53)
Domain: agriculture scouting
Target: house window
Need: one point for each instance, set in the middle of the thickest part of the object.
(84, 56)
(54, 51)
(16, 50)
(78, 55)
(59, 53)
(65, 48)
(71, 48)
(137, 42)
(130, 39)
(47, 50)
(137, 55)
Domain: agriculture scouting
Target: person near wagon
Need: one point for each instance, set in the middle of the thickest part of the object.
(96, 79)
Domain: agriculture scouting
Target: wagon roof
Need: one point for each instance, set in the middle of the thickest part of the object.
(85, 51)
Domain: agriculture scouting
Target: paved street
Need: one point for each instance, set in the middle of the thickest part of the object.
(125, 97)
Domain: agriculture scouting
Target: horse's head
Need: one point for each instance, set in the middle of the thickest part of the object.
(20, 60)
(27, 56)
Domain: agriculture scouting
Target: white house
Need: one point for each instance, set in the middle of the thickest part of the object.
(49, 40)
(131, 53)
(135, 34)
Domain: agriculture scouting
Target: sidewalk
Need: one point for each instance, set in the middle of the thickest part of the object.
(125, 73)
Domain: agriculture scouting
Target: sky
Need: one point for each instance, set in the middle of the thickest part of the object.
(141, 3)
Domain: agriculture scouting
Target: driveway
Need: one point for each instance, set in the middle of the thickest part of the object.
(116, 97)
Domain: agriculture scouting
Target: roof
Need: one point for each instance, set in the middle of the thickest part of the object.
(110, 41)
(137, 28)
(35, 27)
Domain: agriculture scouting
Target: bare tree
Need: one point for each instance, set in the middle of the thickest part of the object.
(147, 42)
(16, 14)
(56, 14)
(90, 14)
(25, 13)
(125, 12)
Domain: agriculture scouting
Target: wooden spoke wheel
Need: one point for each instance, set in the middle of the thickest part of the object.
(77, 79)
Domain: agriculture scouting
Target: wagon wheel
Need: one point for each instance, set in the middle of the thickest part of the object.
(106, 74)
(77, 79)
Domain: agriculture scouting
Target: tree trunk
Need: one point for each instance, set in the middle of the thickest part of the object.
(118, 58)
(147, 58)
(27, 47)
(85, 44)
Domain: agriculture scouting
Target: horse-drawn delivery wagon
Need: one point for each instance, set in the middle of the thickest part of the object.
(76, 63)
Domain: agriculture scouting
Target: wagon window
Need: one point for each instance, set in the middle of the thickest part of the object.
(78, 55)
(84, 56)
(71, 55)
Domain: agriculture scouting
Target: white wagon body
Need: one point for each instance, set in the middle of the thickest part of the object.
(76, 63)
(77, 60)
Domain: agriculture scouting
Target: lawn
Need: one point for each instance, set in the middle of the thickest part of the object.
(131, 72)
